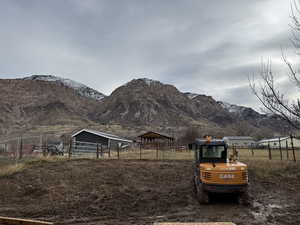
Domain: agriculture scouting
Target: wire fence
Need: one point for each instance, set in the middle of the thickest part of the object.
(157, 151)
(30, 146)
(46, 145)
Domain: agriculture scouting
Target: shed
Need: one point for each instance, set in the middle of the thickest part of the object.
(106, 139)
(239, 141)
(153, 139)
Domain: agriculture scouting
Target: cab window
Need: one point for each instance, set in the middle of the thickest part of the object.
(215, 152)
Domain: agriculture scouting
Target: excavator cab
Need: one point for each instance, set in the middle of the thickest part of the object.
(214, 152)
(215, 173)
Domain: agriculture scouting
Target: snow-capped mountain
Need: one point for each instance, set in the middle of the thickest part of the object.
(191, 95)
(231, 107)
(82, 89)
(242, 111)
(43, 100)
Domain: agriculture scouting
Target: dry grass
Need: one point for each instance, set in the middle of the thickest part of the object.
(244, 154)
(263, 154)
(259, 162)
(9, 167)
(151, 154)
(269, 169)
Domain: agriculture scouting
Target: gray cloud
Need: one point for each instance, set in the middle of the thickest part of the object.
(207, 47)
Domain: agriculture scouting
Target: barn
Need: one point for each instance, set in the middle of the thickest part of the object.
(105, 139)
(280, 141)
(152, 139)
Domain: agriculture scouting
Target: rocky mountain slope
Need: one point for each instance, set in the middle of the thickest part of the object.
(149, 102)
(80, 88)
(27, 103)
(50, 101)
(145, 101)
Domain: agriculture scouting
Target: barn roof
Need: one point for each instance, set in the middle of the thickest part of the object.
(273, 139)
(102, 134)
(238, 138)
(151, 134)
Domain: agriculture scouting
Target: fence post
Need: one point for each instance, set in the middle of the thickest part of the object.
(101, 150)
(41, 143)
(252, 150)
(141, 151)
(97, 153)
(46, 144)
(280, 148)
(70, 148)
(44, 147)
(21, 148)
(287, 149)
(292, 143)
(269, 148)
(17, 150)
(157, 150)
(118, 151)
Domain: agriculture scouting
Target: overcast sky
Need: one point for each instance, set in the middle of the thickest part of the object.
(207, 47)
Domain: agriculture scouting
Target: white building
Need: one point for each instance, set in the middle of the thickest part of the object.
(274, 142)
(239, 141)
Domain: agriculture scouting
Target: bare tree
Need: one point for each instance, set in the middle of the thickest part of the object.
(268, 93)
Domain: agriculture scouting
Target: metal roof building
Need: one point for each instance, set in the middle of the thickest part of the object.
(92, 136)
(239, 141)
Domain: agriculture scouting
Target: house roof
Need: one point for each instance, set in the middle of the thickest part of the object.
(102, 134)
(273, 139)
(238, 138)
(151, 134)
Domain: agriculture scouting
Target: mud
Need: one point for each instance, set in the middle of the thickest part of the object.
(138, 192)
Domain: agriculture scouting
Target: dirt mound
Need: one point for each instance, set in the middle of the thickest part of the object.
(136, 192)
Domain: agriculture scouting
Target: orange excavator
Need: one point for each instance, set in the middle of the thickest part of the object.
(216, 173)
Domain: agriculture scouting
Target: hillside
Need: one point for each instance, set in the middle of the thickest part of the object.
(145, 101)
(140, 105)
(80, 88)
(27, 103)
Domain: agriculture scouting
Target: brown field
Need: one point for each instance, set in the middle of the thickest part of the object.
(90, 191)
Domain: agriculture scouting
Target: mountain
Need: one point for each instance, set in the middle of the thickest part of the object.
(210, 109)
(191, 95)
(29, 103)
(43, 100)
(80, 88)
(147, 102)
(241, 111)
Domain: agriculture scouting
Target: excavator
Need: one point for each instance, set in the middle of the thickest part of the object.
(217, 173)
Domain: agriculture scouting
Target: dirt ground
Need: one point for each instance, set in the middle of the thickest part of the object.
(141, 192)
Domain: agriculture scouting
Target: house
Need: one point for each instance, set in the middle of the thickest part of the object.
(153, 139)
(96, 137)
(280, 141)
(239, 141)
